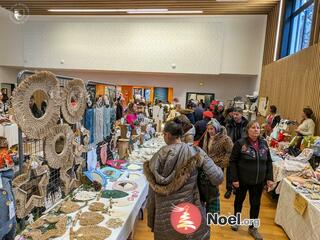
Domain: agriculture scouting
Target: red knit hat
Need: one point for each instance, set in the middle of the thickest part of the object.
(208, 114)
(213, 104)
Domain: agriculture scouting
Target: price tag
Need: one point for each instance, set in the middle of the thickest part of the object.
(138, 131)
(300, 204)
(12, 211)
(1, 186)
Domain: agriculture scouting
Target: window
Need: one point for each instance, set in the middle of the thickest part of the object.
(297, 26)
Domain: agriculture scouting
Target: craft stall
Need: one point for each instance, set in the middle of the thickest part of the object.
(298, 209)
(68, 183)
(48, 110)
(108, 209)
(287, 157)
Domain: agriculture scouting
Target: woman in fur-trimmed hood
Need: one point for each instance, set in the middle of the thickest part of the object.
(217, 144)
(172, 175)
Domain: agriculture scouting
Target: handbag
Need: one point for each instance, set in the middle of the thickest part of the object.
(197, 143)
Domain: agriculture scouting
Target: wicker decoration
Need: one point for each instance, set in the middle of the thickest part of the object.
(33, 127)
(92, 232)
(57, 160)
(70, 177)
(58, 231)
(73, 111)
(114, 223)
(22, 183)
(24, 177)
(96, 207)
(90, 218)
(69, 207)
(38, 223)
(40, 169)
(52, 218)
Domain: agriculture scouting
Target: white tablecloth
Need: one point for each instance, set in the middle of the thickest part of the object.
(279, 171)
(296, 226)
(132, 210)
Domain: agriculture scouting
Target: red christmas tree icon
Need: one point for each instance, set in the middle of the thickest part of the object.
(186, 218)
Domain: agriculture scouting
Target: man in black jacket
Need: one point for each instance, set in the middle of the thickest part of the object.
(236, 129)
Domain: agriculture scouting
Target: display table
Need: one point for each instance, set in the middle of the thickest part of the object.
(123, 232)
(296, 226)
(279, 172)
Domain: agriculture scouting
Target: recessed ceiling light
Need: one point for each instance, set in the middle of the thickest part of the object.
(167, 12)
(129, 11)
(105, 10)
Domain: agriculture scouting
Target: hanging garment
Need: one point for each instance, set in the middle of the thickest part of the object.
(98, 125)
(91, 160)
(88, 123)
(7, 203)
(113, 116)
(106, 122)
(103, 154)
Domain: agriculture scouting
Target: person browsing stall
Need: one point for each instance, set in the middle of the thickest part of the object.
(172, 175)
(251, 167)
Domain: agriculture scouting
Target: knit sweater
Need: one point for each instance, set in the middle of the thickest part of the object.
(306, 128)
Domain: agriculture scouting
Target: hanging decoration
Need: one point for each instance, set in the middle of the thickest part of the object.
(74, 101)
(42, 86)
(58, 146)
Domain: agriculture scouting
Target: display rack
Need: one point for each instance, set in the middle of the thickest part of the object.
(35, 147)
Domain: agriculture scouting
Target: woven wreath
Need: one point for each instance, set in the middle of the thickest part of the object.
(73, 111)
(59, 160)
(34, 127)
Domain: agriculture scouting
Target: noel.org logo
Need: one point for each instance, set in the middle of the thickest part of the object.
(186, 218)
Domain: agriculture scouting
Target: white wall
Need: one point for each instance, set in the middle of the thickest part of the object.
(205, 45)
(8, 75)
(11, 41)
(225, 87)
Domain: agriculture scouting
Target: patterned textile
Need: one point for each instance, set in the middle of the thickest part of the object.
(106, 122)
(88, 123)
(98, 125)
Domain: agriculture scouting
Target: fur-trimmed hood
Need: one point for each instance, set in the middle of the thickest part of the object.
(220, 148)
(171, 167)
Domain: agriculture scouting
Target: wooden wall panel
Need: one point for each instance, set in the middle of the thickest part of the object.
(293, 83)
(271, 32)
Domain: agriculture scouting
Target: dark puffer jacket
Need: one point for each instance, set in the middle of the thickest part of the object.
(172, 175)
(249, 166)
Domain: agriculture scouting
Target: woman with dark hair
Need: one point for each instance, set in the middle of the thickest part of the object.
(307, 126)
(131, 116)
(119, 109)
(251, 167)
(272, 120)
(188, 129)
(172, 175)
